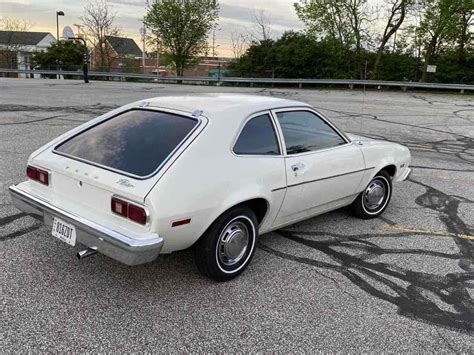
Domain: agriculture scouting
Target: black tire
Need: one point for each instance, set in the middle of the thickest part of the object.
(226, 238)
(362, 208)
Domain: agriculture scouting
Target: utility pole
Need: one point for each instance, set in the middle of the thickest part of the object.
(143, 33)
(157, 55)
(214, 45)
(214, 42)
(78, 29)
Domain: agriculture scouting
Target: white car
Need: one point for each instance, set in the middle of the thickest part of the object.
(208, 171)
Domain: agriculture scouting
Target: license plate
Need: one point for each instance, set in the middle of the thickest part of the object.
(64, 231)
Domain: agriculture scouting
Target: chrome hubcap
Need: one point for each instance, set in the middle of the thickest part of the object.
(374, 194)
(233, 243)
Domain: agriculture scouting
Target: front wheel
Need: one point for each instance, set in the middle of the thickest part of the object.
(227, 247)
(371, 202)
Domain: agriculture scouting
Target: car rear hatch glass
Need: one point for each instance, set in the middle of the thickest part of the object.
(136, 142)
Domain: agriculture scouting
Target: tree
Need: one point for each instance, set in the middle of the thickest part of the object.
(396, 16)
(294, 55)
(437, 24)
(258, 60)
(12, 45)
(262, 26)
(302, 55)
(239, 43)
(343, 20)
(69, 53)
(182, 26)
(462, 33)
(99, 20)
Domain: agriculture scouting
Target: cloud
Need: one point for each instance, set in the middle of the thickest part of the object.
(138, 3)
(234, 15)
(281, 15)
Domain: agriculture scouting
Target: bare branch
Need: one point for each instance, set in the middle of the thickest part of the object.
(397, 12)
(11, 47)
(99, 20)
(239, 43)
(262, 26)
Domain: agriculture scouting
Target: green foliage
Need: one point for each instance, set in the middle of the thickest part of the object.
(295, 55)
(341, 20)
(68, 54)
(258, 61)
(398, 66)
(439, 21)
(182, 27)
(453, 69)
(445, 25)
(299, 55)
(444, 35)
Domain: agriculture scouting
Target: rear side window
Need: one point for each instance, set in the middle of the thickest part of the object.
(257, 138)
(135, 142)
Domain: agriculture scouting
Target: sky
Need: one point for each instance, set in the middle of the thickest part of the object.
(235, 15)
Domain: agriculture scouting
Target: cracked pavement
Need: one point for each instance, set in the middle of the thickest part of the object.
(403, 282)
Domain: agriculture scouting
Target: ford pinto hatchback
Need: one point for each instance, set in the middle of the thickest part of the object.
(210, 171)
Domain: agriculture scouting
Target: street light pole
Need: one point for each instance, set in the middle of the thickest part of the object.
(58, 13)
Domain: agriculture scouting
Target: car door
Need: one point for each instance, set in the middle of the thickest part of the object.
(324, 169)
(259, 167)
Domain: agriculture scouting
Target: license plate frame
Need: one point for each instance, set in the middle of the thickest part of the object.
(64, 231)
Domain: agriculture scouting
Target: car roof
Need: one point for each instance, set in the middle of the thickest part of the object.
(223, 105)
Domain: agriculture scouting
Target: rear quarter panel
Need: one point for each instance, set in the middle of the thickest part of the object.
(207, 180)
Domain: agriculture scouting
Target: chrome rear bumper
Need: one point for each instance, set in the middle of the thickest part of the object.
(123, 248)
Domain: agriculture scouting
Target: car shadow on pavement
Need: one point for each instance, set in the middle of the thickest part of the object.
(418, 295)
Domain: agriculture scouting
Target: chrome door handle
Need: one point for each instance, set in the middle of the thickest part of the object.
(296, 167)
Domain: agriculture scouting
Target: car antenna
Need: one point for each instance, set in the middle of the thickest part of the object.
(363, 99)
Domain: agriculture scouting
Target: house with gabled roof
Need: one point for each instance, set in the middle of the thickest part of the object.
(17, 47)
(120, 54)
(124, 47)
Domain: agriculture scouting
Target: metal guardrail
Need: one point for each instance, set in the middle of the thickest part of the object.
(352, 82)
(113, 75)
(251, 81)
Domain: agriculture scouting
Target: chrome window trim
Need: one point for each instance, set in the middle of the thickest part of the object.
(200, 120)
(319, 115)
(275, 131)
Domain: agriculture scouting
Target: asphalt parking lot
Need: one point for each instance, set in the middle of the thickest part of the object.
(403, 282)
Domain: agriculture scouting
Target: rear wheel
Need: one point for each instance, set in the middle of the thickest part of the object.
(227, 247)
(371, 202)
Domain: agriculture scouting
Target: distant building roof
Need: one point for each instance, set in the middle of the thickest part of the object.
(23, 38)
(124, 46)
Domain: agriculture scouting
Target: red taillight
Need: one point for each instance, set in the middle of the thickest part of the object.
(137, 214)
(37, 174)
(31, 172)
(43, 177)
(119, 207)
(129, 210)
